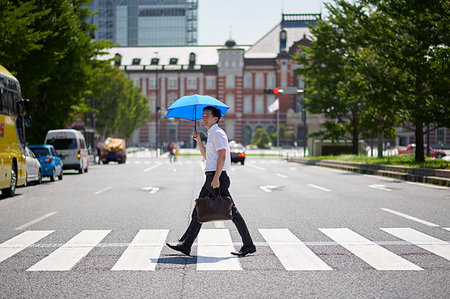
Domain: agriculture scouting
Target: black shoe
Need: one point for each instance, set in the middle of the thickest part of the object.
(180, 247)
(245, 250)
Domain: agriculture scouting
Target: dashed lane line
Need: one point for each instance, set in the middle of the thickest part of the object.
(410, 217)
(36, 220)
(282, 175)
(102, 190)
(318, 187)
(157, 164)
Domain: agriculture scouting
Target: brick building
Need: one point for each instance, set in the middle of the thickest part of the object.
(237, 75)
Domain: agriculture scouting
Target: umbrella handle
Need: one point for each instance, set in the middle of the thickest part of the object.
(195, 118)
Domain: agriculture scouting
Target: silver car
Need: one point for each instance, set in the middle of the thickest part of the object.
(34, 170)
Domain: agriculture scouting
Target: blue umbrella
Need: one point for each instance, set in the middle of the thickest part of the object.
(191, 107)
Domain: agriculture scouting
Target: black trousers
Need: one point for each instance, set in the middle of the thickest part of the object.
(194, 227)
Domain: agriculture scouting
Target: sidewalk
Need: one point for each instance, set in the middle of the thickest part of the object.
(424, 175)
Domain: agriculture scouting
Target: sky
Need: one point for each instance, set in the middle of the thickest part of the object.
(250, 20)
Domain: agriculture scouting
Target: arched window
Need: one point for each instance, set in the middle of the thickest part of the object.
(247, 135)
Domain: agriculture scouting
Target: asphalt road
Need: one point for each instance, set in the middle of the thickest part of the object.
(319, 233)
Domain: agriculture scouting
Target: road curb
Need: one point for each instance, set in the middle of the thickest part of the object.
(423, 175)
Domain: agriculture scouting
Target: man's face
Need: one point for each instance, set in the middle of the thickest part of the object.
(208, 119)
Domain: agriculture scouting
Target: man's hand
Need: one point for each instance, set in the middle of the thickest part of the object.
(196, 136)
(215, 183)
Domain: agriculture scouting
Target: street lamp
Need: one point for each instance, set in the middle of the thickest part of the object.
(155, 61)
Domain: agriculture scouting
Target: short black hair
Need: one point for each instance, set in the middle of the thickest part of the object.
(214, 110)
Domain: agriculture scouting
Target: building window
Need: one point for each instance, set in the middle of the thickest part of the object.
(259, 104)
(248, 80)
(152, 102)
(259, 80)
(192, 83)
(271, 82)
(152, 83)
(248, 104)
(229, 81)
(301, 83)
(229, 100)
(171, 98)
(211, 83)
(173, 83)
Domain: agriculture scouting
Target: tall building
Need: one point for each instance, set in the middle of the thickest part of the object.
(146, 22)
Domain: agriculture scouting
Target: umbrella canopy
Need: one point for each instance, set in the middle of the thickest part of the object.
(191, 107)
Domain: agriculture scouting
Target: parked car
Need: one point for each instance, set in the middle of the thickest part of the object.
(71, 147)
(237, 152)
(411, 148)
(115, 150)
(34, 169)
(51, 164)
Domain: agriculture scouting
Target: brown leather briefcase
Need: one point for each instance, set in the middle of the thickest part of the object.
(212, 208)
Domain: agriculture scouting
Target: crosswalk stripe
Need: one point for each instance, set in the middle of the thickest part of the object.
(292, 253)
(422, 240)
(370, 252)
(143, 252)
(65, 257)
(214, 251)
(20, 242)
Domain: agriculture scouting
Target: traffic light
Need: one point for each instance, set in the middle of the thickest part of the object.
(273, 91)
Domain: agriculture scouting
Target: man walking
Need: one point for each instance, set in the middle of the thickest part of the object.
(218, 161)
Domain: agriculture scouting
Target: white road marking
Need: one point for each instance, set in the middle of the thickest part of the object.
(143, 252)
(429, 243)
(214, 251)
(292, 253)
(382, 178)
(102, 190)
(20, 242)
(428, 185)
(219, 224)
(268, 188)
(65, 257)
(281, 175)
(157, 164)
(36, 220)
(150, 189)
(371, 253)
(409, 217)
(318, 187)
(256, 167)
(380, 187)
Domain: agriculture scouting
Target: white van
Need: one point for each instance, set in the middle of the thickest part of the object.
(71, 147)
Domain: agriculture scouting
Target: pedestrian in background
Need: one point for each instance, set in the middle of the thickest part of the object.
(218, 161)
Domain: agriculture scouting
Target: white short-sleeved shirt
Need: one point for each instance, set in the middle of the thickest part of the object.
(217, 140)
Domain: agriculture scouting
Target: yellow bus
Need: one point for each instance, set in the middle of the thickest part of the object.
(13, 168)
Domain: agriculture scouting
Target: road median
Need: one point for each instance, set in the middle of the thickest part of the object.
(414, 174)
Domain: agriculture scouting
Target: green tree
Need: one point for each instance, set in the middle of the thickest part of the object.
(281, 132)
(324, 70)
(120, 107)
(261, 138)
(417, 41)
(48, 46)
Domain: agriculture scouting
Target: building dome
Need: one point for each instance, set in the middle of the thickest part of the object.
(230, 43)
